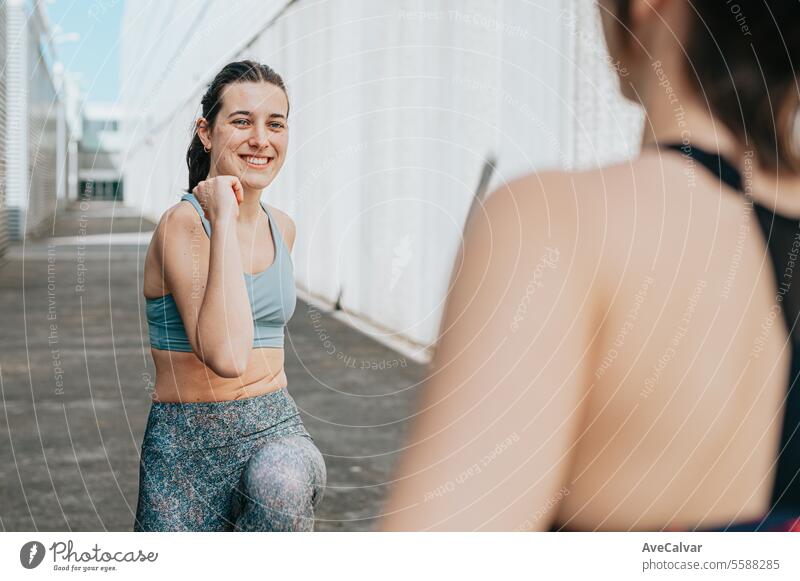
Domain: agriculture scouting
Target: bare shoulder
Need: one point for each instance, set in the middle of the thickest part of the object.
(285, 224)
(547, 207)
(553, 217)
(178, 227)
(178, 221)
(602, 204)
(657, 191)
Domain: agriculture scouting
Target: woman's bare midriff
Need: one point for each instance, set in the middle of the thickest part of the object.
(182, 377)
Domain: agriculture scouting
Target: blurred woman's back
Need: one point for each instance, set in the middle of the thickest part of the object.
(614, 353)
(688, 370)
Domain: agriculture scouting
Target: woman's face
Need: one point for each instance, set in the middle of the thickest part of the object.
(250, 134)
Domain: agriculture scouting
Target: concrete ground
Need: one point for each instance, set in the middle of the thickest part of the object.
(75, 371)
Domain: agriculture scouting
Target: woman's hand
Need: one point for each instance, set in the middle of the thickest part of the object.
(219, 196)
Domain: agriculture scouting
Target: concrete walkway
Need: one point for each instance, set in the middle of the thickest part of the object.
(75, 375)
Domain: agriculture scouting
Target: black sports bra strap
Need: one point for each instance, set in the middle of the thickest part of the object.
(713, 162)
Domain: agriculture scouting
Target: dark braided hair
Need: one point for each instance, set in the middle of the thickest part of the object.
(197, 158)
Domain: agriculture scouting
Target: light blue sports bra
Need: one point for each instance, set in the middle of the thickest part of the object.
(271, 293)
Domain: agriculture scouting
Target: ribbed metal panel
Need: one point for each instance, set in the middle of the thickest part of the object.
(15, 137)
(42, 138)
(604, 127)
(4, 230)
(31, 109)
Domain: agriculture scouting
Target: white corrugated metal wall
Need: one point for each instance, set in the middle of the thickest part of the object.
(31, 112)
(43, 106)
(604, 128)
(4, 234)
(396, 106)
(16, 136)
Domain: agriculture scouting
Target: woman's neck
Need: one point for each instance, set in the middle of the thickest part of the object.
(250, 208)
(676, 116)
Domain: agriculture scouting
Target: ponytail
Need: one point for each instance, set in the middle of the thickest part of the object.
(198, 160)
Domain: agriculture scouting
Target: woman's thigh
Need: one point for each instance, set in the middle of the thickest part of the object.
(185, 490)
(281, 485)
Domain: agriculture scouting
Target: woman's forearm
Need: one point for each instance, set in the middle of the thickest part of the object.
(224, 323)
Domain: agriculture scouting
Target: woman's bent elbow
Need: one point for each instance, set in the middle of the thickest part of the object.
(229, 370)
(228, 367)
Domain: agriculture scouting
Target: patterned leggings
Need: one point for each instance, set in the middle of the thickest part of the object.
(238, 465)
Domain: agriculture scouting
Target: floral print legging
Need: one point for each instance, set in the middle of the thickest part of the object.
(238, 465)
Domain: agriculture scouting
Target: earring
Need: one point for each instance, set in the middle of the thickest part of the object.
(206, 149)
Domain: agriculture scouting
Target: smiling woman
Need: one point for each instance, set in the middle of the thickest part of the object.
(225, 448)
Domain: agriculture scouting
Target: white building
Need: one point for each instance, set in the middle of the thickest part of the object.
(100, 158)
(39, 124)
(400, 112)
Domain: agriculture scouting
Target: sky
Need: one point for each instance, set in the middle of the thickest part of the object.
(95, 55)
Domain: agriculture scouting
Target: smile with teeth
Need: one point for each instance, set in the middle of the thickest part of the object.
(256, 161)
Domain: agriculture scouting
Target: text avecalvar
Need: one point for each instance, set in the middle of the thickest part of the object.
(671, 548)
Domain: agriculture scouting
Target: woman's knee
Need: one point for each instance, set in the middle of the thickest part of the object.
(283, 469)
(282, 483)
